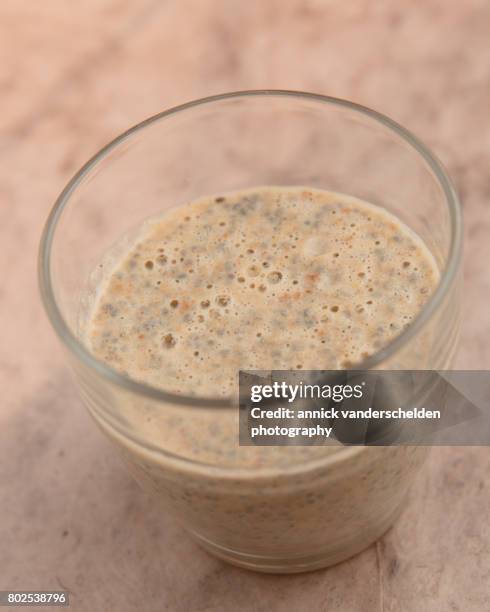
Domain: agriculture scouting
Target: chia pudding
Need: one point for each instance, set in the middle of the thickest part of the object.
(267, 278)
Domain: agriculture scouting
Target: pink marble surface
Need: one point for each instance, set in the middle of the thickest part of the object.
(74, 75)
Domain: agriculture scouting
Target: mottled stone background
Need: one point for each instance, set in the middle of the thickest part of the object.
(72, 76)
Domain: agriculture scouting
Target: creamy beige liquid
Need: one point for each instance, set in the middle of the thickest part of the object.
(268, 278)
(282, 279)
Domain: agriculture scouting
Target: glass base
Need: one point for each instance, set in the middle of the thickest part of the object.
(295, 565)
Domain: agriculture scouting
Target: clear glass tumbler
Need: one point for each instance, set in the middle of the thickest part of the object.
(319, 509)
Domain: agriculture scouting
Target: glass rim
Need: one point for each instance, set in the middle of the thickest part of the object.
(77, 348)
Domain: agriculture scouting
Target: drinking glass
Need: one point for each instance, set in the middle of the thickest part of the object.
(314, 509)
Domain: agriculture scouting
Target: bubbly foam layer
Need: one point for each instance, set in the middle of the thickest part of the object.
(268, 278)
